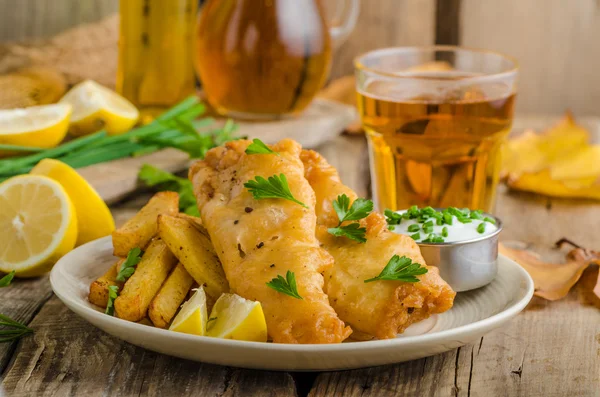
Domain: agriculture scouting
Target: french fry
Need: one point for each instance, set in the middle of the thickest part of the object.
(139, 290)
(193, 249)
(138, 231)
(171, 295)
(99, 288)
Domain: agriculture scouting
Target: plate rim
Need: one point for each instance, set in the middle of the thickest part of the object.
(436, 337)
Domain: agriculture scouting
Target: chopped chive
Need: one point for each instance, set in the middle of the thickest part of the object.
(390, 227)
(439, 221)
(455, 211)
(415, 236)
(428, 229)
(445, 231)
(448, 219)
(428, 223)
(414, 228)
(490, 220)
(464, 220)
(481, 228)
(476, 215)
(406, 215)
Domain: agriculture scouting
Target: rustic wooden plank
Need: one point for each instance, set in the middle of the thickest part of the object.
(447, 22)
(68, 356)
(21, 301)
(555, 42)
(26, 19)
(386, 23)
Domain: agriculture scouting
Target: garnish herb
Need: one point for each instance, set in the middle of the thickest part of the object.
(481, 228)
(163, 180)
(490, 220)
(5, 281)
(113, 293)
(359, 209)
(392, 218)
(352, 231)
(444, 231)
(415, 236)
(128, 266)
(414, 228)
(258, 147)
(285, 285)
(400, 269)
(12, 330)
(275, 187)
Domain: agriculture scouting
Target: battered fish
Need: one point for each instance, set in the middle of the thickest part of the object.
(256, 240)
(382, 308)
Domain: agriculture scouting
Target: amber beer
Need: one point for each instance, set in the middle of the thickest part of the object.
(435, 141)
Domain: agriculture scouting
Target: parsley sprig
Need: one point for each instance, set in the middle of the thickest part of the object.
(359, 209)
(113, 293)
(128, 266)
(258, 147)
(400, 269)
(273, 187)
(285, 285)
(11, 330)
(162, 180)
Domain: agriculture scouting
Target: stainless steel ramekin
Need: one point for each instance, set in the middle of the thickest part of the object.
(465, 265)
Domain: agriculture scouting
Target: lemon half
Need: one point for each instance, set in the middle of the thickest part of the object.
(94, 219)
(95, 107)
(234, 317)
(38, 224)
(39, 126)
(191, 319)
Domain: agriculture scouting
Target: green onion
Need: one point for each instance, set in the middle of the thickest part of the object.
(476, 215)
(448, 218)
(464, 220)
(445, 231)
(481, 228)
(414, 228)
(415, 236)
(490, 220)
(428, 229)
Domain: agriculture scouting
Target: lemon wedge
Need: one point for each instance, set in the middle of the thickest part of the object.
(95, 107)
(94, 219)
(38, 224)
(234, 317)
(40, 126)
(191, 319)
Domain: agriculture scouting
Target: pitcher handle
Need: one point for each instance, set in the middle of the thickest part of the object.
(346, 11)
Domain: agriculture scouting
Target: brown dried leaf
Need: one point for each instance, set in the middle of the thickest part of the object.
(552, 281)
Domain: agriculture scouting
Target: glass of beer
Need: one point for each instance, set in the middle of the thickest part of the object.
(435, 119)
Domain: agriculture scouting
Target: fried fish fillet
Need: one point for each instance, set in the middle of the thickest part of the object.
(257, 240)
(382, 308)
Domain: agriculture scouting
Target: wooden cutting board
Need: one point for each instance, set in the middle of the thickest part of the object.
(322, 121)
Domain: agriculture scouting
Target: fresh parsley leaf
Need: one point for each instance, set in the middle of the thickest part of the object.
(392, 218)
(128, 266)
(5, 281)
(274, 187)
(163, 180)
(113, 292)
(258, 147)
(285, 285)
(360, 208)
(400, 269)
(352, 231)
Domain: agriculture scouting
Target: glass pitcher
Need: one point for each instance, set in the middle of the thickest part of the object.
(266, 59)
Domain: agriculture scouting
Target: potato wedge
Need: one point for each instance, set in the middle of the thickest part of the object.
(195, 252)
(99, 288)
(137, 293)
(138, 231)
(170, 296)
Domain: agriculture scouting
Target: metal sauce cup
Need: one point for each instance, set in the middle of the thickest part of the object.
(468, 264)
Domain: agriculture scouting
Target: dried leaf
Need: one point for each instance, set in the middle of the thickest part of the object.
(553, 281)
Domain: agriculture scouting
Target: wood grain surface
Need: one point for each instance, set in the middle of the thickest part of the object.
(551, 349)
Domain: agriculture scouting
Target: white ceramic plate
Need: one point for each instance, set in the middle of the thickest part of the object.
(474, 314)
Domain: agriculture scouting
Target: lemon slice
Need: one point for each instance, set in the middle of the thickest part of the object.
(94, 219)
(191, 319)
(95, 107)
(41, 126)
(38, 224)
(234, 317)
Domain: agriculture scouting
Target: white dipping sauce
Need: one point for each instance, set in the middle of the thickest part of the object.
(456, 232)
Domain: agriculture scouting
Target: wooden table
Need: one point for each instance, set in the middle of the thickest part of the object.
(551, 349)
